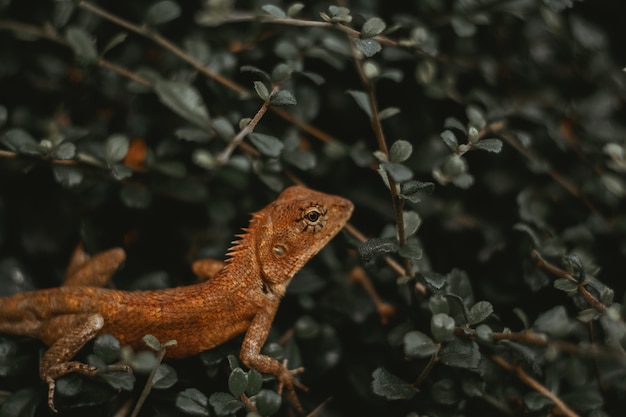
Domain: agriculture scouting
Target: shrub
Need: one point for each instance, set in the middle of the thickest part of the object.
(482, 143)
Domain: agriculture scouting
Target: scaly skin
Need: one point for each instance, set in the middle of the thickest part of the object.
(241, 298)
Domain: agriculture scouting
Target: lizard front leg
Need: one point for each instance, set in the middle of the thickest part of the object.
(251, 355)
(56, 361)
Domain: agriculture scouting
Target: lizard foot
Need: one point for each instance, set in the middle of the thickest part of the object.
(61, 369)
(288, 382)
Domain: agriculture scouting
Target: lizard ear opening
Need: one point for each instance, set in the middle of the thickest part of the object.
(279, 250)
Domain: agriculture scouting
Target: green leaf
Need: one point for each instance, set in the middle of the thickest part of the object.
(337, 14)
(67, 176)
(461, 353)
(462, 27)
(152, 342)
(224, 404)
(442, 327)
(362, 100)
(262, 91)
(294, 9)
(193, 402)
(444, 392)
(484, 333)
(412, 222)
(400, 151)
(116, 40)
(453, 123)
(274, 11)
(475, 116)
(107, 348)
(304, 160)
(419, 344)
(434, 280)
(20, 141)
(65, 150)
(120, 171)
(264, 76)
(255, 382)
(376, 247)
(183, 99)
(388, 112)
(554, 322)
(193, 135)
(119, 380)
(535, 401)
(266, 144)
(164, 377)
(411, 250)
(237, 382)
(283, 98)
(162, 12)
(116, 147)
(23, 403)
(411, 189)
(391, 387)
(489, 145)
(369, 47)
(281, 72)
(450, 140)
(398, 172)
(268, 402)
(82, 44)
(306, 327)
(565, 284)
(373, 27)
(136, 196)
(479, 312)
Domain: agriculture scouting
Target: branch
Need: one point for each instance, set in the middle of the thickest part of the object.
(561, 273)
(534, 384)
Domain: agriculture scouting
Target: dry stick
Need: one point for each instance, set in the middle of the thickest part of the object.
(534, 384)
(397, 268)
(377, 127)
(146, 389)
(160, 40)
(199, 66)
(557, 176)
(225, 155)
(543, 264)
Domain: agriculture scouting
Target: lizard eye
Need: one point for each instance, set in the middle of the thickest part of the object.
(314, 217)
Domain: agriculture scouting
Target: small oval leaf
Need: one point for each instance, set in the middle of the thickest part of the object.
(266, 144)
(162, 12)
(82, 44)
(391, 387)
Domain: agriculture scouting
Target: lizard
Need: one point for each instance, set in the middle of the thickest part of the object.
(242, 298)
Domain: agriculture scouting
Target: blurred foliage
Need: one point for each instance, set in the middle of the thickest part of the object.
(483, 143)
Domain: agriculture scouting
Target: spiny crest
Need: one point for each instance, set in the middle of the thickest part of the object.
(242, 241)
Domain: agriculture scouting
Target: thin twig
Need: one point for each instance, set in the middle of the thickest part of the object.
(534, 384)
(165, 43)
(148, 387)
(561, 273)
(225, 154)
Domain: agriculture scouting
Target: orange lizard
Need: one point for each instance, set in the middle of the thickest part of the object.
(241, 298)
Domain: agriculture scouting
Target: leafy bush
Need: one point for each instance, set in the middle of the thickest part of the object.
(482, 143)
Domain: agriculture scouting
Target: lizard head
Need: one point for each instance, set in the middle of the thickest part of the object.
(292, 229)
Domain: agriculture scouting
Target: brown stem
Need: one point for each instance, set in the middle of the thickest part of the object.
(561, 273)
(534, 384)
(165, 43)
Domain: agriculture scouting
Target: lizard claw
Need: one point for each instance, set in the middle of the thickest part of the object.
(287, 381)
(51, 385)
